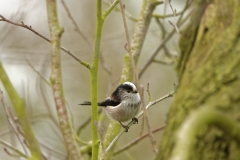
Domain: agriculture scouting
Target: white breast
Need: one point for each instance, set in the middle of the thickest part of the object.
(125, 111)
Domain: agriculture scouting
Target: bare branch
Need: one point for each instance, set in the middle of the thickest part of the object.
(128, 15)
(174, 13)
(41, 76)
(129, 44)
(9, 146)
(163, 62)
(160, 46)
(175, 27)
(85, 123)
(150, 134)
(47, 39)
(111, 7)
(134, 142)
(167, 15)
(161, 26)
(11, 154)
(76, 26)
(139, 114)
(12, 123)
(141, 92)
(155, 52)
(149, 94)
(105, 14)
(136, 78)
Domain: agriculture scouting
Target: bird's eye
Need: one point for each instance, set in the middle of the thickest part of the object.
(128, 91)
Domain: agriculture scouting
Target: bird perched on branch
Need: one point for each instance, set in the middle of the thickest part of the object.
(123, 104)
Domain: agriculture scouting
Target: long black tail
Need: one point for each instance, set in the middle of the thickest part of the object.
(87, 103)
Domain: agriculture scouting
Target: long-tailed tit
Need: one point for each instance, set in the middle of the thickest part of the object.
(123, 104)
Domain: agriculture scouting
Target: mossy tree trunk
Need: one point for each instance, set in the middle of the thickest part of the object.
(209, 71)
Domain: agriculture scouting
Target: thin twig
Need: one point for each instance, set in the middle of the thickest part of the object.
(76, 26)
(150, 134)
(111, 7)
(167, 53)
(104, 65)
(163, 33)
(86, 39)
(85, 123)
(155, 52)
(41, 76)
(128, 43)
(149, 94)
(161, 45)
(109, 72)
(128, 48)
(11, 154)
(80, 141)
(161, 26)
(13, 148)
(57, 152)
(105, 14)
(174, 13)
(163, 62)
(128, 15)
(166, 15)
(131, 56)
(135, 141)
(141, 92)
(175, 27)
(136, 77)
(101, 132)
(12, 122)
(47, 39)
(139, 114)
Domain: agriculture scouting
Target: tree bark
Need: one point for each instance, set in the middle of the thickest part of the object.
(209, 71)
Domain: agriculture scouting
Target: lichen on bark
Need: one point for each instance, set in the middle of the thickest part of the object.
(209, 76)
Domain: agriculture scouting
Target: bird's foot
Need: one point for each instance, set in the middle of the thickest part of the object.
(124, 126)
(135, 120)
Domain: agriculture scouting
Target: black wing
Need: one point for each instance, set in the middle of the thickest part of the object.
(108, 102)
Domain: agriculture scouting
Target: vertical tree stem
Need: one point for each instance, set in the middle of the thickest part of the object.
(56, 80)
(94, 79)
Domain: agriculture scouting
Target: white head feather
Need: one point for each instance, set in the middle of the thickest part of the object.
(131, 84)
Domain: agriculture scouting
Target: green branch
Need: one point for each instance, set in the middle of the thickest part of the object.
(187, 134)
(56, 80)
(21, 112)
(109, 10)
(94, 79)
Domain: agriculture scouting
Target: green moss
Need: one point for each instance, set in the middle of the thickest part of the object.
(209, 74)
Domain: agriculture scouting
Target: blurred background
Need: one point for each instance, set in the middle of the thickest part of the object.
(22, 50)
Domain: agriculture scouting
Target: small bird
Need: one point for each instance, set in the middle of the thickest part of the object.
(123, 104)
